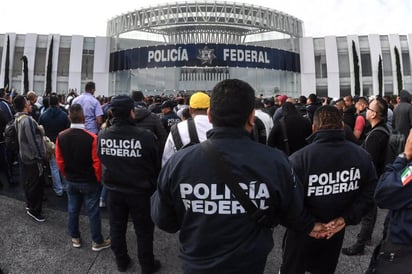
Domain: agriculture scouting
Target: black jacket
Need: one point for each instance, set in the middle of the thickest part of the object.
(298, 128)
(130, 157)
(215, 235)
(338, 177)
(148, 120)
(376, 143)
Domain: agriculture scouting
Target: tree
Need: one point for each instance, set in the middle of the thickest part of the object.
(398, 70)
(356, 68)
(6, 70)
(380, 76)
(25, 74)
(49, 69)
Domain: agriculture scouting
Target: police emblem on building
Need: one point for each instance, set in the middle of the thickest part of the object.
(206, 56)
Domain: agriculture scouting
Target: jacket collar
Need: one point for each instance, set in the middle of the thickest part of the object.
(328, 135)
(227, 132)
(122, 121)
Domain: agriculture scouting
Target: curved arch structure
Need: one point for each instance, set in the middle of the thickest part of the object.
(205, 22)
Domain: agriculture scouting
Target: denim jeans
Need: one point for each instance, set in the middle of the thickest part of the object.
(87, 192)
(55, 174)
(103, 194)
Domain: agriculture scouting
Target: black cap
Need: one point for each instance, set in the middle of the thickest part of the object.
(121, 104)
(168, 104)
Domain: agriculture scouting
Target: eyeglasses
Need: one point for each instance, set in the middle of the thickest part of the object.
(371, 109)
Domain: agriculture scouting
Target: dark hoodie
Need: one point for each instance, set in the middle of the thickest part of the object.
(54, 120)
(148, 120)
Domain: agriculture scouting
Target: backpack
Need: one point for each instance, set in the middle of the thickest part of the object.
(194, 139)
(259, 131)
(396, 143)
(10, 135)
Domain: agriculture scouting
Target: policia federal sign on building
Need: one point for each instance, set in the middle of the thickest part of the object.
(204, 55)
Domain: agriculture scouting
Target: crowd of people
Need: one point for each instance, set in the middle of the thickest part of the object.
(222, 168)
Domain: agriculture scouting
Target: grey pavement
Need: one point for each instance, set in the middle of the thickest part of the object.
(30, 247)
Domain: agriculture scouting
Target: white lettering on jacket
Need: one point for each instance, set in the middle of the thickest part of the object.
(333, 182)
(212, 199)
(121, 148)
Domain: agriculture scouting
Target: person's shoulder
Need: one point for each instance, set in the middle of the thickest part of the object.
(182, 125)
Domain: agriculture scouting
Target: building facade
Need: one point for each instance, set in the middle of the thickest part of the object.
(192, 46)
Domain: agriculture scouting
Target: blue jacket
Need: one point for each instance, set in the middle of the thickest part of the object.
(392, 194)
(338, 177)
(216, 234)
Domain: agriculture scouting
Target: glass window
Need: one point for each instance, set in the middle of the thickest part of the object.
(387, 64)
(17, 63)
(388, 89)
(342, 43)
(40, 62)
(63, 62)
(344, 70)
(87, 64)
(320, 66)
(406, 63)
(62, 87)
(367, 90)
(366, 64)
(384, 42)
(363, 43)
(322, 91)
(345, 90)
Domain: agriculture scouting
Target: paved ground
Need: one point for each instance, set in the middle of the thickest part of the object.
(30, 247)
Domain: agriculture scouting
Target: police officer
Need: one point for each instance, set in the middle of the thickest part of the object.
(394, 192)
(216, 234)
(169, 116)
(338, 190)
(131, 163)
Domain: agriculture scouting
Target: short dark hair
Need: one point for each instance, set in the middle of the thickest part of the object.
(76, 114)
(382, 108)
(327, 117)
(19, 102)
(2, 92)
(231, 103)
(404, 96)
(46, 101)
(54, 100)
(313, 97)
(137, 95)
(90, 86)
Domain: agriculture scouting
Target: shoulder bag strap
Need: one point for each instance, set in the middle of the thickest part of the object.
(284, 135)
(176, 137)
(192, 131)
(223, 169)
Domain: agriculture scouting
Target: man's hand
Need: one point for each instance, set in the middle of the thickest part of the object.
(334, 227)
(319, 231)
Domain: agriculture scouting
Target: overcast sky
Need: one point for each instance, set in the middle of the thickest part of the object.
(320, 17)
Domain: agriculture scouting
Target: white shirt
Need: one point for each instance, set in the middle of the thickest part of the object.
(202, 126)
(266, 119)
